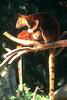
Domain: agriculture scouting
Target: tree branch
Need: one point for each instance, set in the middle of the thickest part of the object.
(36, 46)
(20, 41)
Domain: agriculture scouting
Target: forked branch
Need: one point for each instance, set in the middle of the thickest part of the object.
(32, 46)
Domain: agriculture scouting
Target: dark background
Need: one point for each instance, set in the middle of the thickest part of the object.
(35, 65)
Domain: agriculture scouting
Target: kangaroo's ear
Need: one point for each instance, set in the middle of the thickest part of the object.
(19, 15)
(22, 15)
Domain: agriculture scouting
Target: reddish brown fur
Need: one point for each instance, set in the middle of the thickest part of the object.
(47, 23)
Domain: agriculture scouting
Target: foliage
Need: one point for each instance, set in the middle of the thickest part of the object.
(26, 94)
(2, 93)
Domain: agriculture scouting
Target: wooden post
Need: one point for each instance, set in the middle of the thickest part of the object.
(20, 74)
(51, 73)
